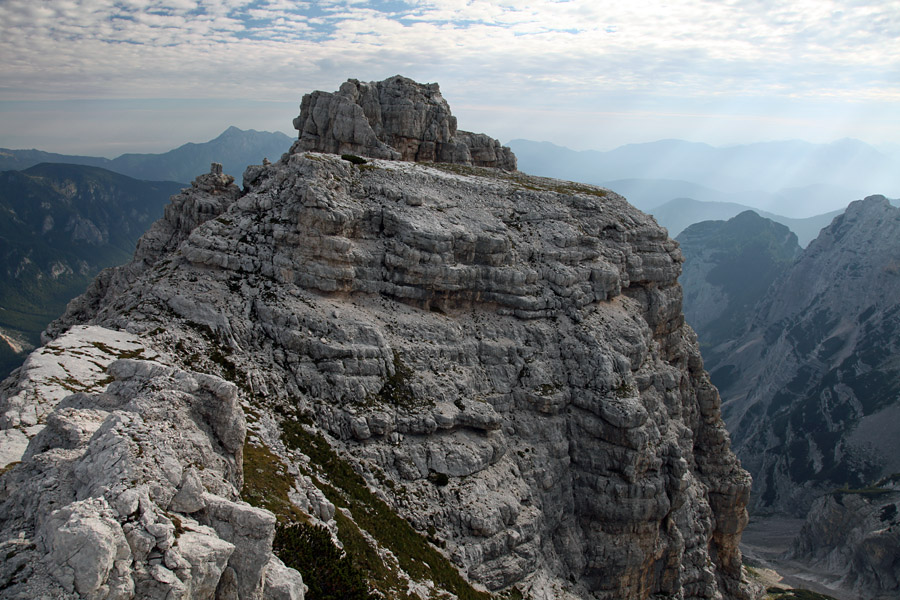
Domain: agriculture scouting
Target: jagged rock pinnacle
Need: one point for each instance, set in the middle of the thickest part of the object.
(396, 119)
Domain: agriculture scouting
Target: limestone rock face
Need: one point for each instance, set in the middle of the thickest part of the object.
(499, 359)
(396, 119)
(209, 195)
(133, 492)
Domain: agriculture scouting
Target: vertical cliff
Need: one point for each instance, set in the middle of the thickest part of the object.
(501, 360)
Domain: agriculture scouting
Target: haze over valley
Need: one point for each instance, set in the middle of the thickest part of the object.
(276, 323)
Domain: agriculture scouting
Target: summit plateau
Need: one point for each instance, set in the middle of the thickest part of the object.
(477, 383)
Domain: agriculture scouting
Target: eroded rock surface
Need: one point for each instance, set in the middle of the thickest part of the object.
(133, 493)
(499, 359)
(396, 119)
(855, 535)
(517, 340)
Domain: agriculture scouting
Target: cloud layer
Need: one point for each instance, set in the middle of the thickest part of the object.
(694, 56)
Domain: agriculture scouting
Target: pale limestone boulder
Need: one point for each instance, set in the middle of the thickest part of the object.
(283, 583)
(87, 551)
(113, 488)
(251, 530)
(208, 556)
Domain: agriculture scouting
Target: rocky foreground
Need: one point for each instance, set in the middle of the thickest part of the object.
(478, 382)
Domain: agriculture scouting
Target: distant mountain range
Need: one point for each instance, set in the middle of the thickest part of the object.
(60, 225)
(728, 267)
(791, 178)
(803, 347)
(810, 388)
(234, 149)
(66, 217)
(679, 214)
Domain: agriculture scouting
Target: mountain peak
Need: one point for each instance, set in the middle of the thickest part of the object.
(426, 354)
(395, 119)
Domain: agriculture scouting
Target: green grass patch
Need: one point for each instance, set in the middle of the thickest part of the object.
(347, 489)
(329, 573)
(396, 390)
(266, 484)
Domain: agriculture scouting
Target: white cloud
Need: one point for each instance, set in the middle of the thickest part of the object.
(564, 54)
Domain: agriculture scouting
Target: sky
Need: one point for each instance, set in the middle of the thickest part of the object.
(103, 77)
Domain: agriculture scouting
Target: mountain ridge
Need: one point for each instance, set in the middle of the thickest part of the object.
(62, 224)
(479, 381)
(234, 148)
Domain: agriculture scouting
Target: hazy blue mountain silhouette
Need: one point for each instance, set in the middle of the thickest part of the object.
(61, 224)
(234, 148)
(681, 213)
(792, 178)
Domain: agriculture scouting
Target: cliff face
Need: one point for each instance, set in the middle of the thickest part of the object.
(499, 359)
(855, 535)
(810, 390)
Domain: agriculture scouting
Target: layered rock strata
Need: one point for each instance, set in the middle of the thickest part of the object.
(396, 119)
(499, 359)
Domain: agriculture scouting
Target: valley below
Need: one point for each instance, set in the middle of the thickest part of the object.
(765, 542)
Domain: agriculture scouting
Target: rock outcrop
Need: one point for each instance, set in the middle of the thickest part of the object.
(133, 492)
(501, 360)
(395, 119)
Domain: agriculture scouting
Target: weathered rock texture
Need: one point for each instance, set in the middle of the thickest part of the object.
(499, 359)
(856, 536)
(810, 391)
(133, 492)
(396, 119)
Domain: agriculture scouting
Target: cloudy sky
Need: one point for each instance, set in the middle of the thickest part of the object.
(103, 77)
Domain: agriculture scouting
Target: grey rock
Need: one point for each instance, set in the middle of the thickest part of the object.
(503, 360)
(251, 530)
(107, 493)
(85, 549)
(854, 537)
(189, 498)
(395, 119)
(208, 556)
(283, 583)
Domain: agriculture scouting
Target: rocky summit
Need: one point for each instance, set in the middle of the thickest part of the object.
(475, 382)
(396, 119)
